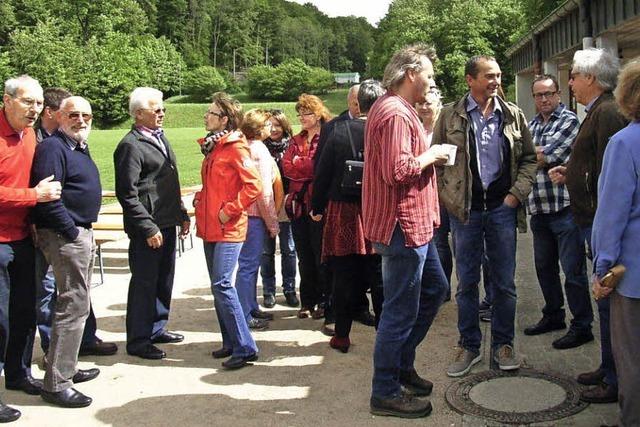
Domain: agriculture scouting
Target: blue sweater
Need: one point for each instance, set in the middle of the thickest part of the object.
(616, 227)
(80, 180)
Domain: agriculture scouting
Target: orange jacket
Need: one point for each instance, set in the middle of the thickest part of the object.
(231, 182)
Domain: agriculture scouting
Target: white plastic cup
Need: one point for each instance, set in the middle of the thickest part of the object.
(451, 151)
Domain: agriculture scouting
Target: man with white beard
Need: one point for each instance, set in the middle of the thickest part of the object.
(66, 239)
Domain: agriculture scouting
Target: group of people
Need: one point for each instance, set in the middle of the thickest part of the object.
(472, 169)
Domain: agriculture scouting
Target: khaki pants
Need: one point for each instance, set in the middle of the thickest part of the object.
(625, 340)
(72, 263)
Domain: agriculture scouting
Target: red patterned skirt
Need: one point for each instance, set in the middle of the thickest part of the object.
(343, 233)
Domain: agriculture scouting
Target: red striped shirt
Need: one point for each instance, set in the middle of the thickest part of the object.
(395, 189)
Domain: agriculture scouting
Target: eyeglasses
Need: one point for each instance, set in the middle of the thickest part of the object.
(75, 115)
(156, 111)
(213, 113)
(299, 115)
(573, 76)
(544, 95)
(30, 102)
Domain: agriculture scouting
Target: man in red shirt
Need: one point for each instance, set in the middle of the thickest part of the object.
(400, 213)
(23, 102)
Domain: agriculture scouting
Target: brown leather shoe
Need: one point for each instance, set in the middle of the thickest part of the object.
(591, 378)
(601, 393)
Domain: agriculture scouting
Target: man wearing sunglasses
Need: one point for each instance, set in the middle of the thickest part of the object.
(66, 239)
(148, 188)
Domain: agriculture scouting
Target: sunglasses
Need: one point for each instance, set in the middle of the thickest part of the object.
(75, 115)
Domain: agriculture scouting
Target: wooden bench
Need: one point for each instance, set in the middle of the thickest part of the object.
(101, 237)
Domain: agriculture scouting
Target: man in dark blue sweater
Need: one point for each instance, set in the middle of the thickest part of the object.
(66, 238)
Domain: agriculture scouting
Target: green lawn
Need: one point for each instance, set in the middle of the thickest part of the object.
(184, 124)
(183, 142)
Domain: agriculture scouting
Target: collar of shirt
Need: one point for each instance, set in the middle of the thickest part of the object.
(472, 105)
(5, 128)
(72, 143)
(590, 104)
(149, 133)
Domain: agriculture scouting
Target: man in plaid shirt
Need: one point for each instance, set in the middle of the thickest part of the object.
(556, 237)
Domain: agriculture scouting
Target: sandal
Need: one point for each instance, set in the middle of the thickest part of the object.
(304, 313)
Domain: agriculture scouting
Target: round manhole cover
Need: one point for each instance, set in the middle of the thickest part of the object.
(521, 397)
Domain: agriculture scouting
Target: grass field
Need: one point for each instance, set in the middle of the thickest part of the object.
(184, 124)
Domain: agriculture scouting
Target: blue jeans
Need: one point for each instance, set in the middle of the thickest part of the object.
(46, 303)
(441, 240)
(492, 231)
(414, 287)
(17, 309)
(248, 265)
(221, 259)
(556, 238)
(606, 353)
(287, 262)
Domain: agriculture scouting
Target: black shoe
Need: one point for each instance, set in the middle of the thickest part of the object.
(328, 329)
(168, 337)
(403, 406)
(8, 414)
(84, 375)
(269, 301)
(29, 385)
(365, 317)
(98, 348)
(545, 325)
(259, 314)
(292, 299)
(601, 393)
(415, 384)
(237, 362)
(591, 378)
(221, 353)
(572, 339)
(69, 398)
(150, 351)
(258, 324)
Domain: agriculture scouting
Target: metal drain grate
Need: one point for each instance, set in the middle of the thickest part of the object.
(520, 397)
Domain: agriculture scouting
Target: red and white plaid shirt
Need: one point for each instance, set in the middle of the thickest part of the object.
(395, 189)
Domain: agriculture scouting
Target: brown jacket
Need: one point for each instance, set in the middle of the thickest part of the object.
(454, 182)
(583, 169)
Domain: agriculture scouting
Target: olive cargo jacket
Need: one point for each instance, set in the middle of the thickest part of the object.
(454, 182)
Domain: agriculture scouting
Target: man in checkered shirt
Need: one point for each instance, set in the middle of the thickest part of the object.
(556, 237)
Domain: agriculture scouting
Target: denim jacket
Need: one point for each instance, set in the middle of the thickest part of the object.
(455, 182)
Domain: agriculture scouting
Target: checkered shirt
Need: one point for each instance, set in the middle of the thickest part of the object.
(556, 136)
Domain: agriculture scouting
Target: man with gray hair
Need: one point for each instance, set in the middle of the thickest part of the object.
(593, 77)
(148, 188)
(66, 239)
(400, 214)
(22, 104)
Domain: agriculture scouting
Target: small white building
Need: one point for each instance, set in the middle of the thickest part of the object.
(347, 78)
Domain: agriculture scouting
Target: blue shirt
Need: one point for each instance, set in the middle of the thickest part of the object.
(489, 139)
(556, 137)
(616, 226)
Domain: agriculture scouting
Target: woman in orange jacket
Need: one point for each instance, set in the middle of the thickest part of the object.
(230, 184)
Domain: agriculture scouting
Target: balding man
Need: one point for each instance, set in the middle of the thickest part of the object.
(66, 239)
(22, 103)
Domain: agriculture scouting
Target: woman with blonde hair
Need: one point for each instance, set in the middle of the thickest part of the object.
(298, 168)
(263, 218)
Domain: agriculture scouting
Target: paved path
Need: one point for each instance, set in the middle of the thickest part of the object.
(298, 381)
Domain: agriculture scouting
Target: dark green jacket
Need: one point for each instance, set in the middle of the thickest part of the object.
(454, 182)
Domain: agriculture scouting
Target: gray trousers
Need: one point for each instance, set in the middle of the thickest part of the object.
(72, 264)
(625, 341)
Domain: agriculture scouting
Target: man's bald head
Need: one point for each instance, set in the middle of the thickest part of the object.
(352, 101)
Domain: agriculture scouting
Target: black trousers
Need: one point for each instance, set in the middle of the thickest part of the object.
(149, 297)
(315, 288)
(17, 308)
(351, 274)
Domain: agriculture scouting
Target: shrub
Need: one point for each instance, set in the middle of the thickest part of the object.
(287, 81)
(202, 82)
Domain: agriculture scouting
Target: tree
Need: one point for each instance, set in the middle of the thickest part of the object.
(203, 82)
(287, 81)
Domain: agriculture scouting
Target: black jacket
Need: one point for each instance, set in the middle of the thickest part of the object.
(326, 131)
(147, 185)
(330, 168)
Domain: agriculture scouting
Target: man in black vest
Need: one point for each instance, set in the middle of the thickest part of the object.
(148, 188)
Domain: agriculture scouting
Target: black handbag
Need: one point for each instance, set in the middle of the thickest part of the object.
(351, 184)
